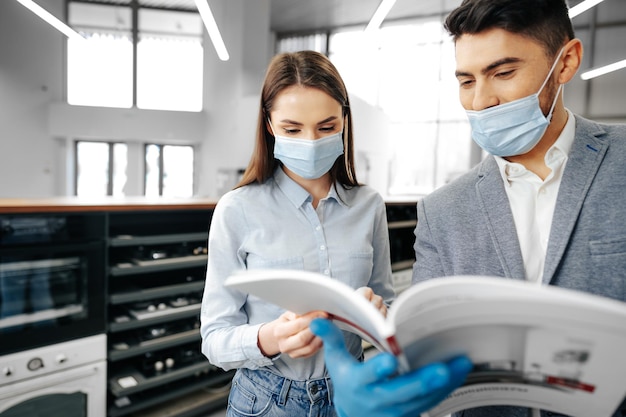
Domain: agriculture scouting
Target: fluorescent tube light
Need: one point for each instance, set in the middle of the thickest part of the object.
(49, 18)
(603, 70)
(211, 27)
(582, 7)
(383, 9)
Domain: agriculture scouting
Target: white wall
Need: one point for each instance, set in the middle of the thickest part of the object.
(31, 77)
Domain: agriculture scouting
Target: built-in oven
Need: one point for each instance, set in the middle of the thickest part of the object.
(52, 273)
(63, 380)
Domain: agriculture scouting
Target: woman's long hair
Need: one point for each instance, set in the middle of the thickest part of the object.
(307, 69)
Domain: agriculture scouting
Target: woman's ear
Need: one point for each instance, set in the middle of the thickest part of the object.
(572, 59)
(268, 126)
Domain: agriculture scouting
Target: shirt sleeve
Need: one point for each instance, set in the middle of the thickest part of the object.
(228, 340)
(381, 281)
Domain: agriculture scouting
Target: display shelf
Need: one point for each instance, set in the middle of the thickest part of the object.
(173, 399)
(134, 323)
(134, 240)
(402, 224)
(163, 342)
(153, 293)
(143, 383)
(169, 264)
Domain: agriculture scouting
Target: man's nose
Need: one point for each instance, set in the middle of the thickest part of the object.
(484, 97)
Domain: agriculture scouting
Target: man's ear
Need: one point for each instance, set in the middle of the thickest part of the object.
(572, 58)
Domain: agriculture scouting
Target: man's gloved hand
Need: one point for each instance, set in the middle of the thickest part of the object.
(369, 389)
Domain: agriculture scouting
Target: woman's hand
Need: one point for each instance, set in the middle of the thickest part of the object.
(376, 300)
(290, 334)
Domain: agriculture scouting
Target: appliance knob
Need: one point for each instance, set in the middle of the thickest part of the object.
(7, 371)
(60, 359)
(34, 364)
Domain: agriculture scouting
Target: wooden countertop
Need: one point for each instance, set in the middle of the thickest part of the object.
(82, 204)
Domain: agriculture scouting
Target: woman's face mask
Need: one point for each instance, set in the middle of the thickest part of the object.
(308, 158)
(512, 128)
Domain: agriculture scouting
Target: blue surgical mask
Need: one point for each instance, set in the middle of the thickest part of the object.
(310, 159)
(512, 128)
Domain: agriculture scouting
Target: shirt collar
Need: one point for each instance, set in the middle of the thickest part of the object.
(561, 147)
(298, 195)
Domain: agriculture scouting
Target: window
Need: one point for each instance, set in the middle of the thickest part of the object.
(165, 44)
(169, 170)
(406, 69)
(100, 168)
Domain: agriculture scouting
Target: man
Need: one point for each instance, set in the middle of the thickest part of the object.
(548, 205)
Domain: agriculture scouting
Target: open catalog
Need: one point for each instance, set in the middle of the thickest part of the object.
(532, 346)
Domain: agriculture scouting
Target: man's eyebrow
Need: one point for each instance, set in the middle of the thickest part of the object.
(490, 67)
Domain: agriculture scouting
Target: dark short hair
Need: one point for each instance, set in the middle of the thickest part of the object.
(544, 21)
(308, 69)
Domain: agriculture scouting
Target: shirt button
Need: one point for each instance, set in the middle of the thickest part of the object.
(317, 228)
(322, 247)
(326, 272)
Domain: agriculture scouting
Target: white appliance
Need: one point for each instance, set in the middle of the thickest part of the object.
(62, 380)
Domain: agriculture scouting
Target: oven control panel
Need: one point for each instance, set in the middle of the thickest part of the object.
(53, 358)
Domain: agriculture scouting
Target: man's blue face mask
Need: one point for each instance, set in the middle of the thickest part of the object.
(512, 128)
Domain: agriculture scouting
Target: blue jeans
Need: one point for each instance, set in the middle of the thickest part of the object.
(262, 393)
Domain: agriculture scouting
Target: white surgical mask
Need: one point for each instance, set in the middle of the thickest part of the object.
(310, 159)
(512, 128)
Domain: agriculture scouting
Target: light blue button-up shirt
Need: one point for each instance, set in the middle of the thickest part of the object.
(274, 225)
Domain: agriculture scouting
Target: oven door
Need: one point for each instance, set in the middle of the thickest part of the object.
(50, 294)
(75, 392)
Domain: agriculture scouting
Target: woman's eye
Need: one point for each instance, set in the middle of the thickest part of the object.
(327, 128)
(292, 131)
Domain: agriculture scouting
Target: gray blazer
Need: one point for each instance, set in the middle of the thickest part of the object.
(467, 228)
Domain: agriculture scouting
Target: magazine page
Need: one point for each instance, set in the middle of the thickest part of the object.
(303, 291)
(539, 347)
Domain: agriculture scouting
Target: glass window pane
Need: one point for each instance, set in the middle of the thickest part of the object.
(92, 169)
(169, 61)
(153, 170)
(178, 171)
(100, 68)
(407, 70)
(120, 163)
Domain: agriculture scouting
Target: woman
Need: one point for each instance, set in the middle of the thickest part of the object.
(298, 206)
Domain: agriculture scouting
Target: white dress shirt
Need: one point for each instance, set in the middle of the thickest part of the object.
(533, 200)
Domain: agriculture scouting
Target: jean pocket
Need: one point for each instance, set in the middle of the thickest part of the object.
(247, 400)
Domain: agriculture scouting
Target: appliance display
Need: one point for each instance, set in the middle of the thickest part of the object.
(52, 285)
(62, 380)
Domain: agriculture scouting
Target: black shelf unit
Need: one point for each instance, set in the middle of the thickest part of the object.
(401, 220)
(157, 265)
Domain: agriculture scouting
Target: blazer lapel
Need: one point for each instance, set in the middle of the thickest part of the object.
(583, 163)
(495, 206)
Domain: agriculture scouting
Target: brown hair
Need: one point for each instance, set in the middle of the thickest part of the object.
(307, 69)
(545, 21)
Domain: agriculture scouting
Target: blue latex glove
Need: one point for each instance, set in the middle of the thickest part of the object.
(369, 389)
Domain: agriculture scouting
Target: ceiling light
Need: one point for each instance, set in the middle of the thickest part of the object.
(383, 9)
(603, 70)
(582, 7)
(211, 27)
(49, 18)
